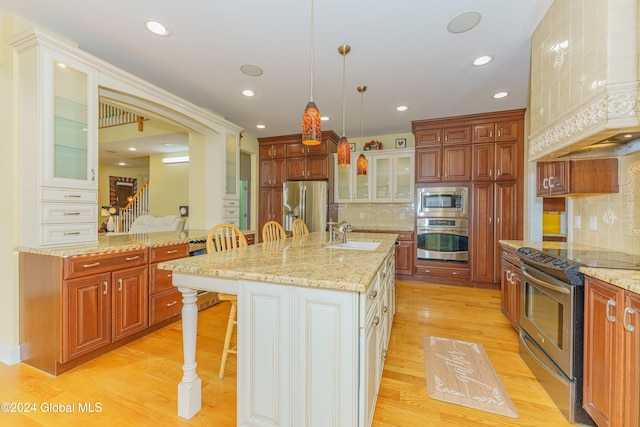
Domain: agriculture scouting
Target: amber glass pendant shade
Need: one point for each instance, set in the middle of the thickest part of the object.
(344, 152)
(311, 128)
(361, 165)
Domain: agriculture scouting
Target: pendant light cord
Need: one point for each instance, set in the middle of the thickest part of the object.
(344, 102)
(361, 116)
(312, 43)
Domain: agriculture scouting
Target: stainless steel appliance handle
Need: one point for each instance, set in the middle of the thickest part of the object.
(538, 281)
(303, 203)
(628, 325)
(547, 367)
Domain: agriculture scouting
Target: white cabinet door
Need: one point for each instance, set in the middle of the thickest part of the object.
(69, 102)
(392, 178)
(351, 187)
(299, 363)
(231, 164)
(326, 358)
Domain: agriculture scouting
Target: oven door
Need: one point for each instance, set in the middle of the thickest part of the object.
(443, 245)
(547, 313)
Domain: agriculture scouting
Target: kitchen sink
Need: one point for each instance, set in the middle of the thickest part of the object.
(358, 246)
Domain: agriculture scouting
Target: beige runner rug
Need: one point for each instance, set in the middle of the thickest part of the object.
(460, 372)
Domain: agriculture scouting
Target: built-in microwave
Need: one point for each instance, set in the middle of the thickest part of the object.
(442, 202)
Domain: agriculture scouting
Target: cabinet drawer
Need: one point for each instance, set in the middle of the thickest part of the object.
(165, 253)
(230, 212)
(454, 273)
(74, 196)
(69, 234)
(369, 301)
(84, 265)
(159, 280)
(407, 236)
(164, 305)
(69, 213)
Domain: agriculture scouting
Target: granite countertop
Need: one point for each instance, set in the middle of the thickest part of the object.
(119, 242)
(300, 260)
(626, 279)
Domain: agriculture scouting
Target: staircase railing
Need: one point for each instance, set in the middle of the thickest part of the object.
(137, 206)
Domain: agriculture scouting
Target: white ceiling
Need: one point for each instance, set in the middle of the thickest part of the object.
(400, 49)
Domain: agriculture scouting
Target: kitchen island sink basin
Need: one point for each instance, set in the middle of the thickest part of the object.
(359, 246)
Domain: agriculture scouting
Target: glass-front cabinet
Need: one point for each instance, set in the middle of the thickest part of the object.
(58, 135)
(231, 195)
(70, 123)
(232, 164)
(393, 177)
(351, 187)
(389, 178)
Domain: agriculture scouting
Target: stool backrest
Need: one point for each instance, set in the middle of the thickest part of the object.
(223, 237)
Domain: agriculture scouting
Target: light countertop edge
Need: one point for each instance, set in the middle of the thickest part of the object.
(300, 261)
(625, 279)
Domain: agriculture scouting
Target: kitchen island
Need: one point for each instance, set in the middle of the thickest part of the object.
(313, 327)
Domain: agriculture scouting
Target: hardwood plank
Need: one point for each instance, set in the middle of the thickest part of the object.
(137, 384)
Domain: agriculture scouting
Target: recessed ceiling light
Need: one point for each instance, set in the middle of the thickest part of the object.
(325, 118)
(251, 70)
(464, 22)
(261, 126)
(500, 95)
(132, 148)
(156, 28)
(402, 108)
(122, 164)
(482, 60)
(248, 92)
(167, 144)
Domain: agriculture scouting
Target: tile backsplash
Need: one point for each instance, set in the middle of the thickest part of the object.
(616, 217)
(362, 215)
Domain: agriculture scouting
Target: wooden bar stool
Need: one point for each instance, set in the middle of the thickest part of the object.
(272, 230)
(298, 227)
(225, 237)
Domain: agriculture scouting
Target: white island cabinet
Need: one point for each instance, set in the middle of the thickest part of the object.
(313, 328)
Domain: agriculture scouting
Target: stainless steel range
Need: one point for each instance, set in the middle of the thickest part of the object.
(552, 319)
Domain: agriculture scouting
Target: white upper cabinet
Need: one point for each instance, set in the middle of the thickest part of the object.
(393, 177)
(231, 164)
(58, 133)
(351, 187)
(389, 178)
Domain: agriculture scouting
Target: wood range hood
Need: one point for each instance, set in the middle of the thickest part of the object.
(585, 81)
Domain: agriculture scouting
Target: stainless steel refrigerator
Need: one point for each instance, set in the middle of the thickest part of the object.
(307, 200)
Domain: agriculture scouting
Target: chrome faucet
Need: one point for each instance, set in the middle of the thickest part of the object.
(342, 228)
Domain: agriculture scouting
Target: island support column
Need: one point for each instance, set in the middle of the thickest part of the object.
(190, 388)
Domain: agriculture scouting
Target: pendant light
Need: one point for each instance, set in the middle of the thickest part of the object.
(362, 160)
(344, 150)
(311, 128)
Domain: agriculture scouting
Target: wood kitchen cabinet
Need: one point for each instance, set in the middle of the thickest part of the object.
(510, 279)
(285, 158)
(576, 177)
(611, 354)
(165, 300)
(443, 154)
(494, 218)
(486, 150)
(75, 309)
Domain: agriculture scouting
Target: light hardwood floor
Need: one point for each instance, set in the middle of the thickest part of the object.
(136, 385)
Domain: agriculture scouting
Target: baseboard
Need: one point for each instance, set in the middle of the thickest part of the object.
(9, 354)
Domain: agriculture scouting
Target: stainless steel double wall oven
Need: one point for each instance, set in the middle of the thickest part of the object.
(442, 224)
